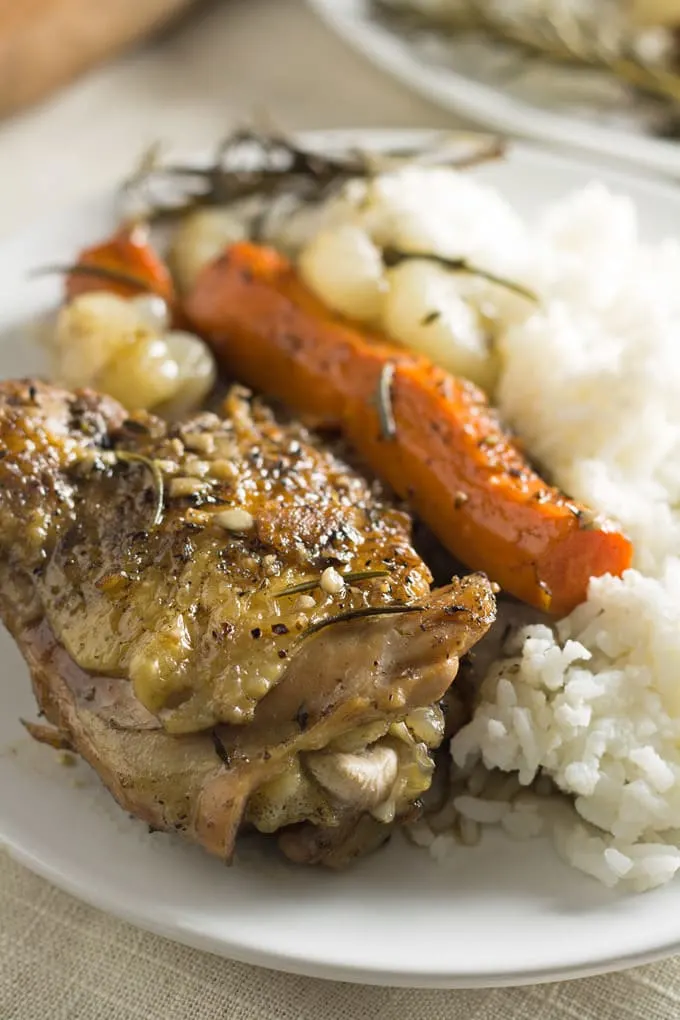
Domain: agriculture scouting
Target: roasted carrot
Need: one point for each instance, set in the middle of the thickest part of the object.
(431, 436)
(128, 264)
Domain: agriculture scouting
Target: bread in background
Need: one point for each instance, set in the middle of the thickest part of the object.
(46, 43)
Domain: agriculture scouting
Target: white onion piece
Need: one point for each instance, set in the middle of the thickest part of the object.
(424, 311)
(289, 224)
(90, 331)
(142, 374)
(153, 311)
(345, 269)
(196, 373)
(200, 238)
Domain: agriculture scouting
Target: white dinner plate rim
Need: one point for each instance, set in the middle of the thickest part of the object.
(289, 963)
(290, 960)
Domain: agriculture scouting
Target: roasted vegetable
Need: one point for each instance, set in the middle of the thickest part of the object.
(125, 264)
(124, 347)
(431, 436)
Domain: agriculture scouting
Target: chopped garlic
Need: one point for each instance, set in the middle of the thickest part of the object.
(331, 581)
(223, 470)
(234, 519)
(200, 442)
(186, 486)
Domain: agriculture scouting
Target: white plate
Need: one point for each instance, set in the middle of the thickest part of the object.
(585, 109)
(502, 913)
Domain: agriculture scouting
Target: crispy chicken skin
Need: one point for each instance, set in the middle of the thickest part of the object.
(145, 572)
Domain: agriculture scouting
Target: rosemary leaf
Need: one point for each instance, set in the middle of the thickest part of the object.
(580, 35)
(430, 317)
(394, 257)
(127, 457)
(388, 425)
(102, 272)
(352, 578)
(358, 614)
(267, 165)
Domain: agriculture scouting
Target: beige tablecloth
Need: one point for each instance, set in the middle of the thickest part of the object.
(60, 960)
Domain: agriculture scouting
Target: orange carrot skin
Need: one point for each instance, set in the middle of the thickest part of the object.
(127, 251)
(448, 456)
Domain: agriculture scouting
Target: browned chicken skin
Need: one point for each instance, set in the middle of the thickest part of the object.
(145, 571)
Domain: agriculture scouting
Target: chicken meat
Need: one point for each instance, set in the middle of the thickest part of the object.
(225, 620)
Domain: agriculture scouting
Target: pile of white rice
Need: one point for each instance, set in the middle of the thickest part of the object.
(590, 379)
(592, 384)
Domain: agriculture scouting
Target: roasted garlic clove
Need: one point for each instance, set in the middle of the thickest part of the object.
(364, 779)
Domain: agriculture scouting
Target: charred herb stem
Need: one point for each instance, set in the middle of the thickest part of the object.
(220, 749)
(100, 272)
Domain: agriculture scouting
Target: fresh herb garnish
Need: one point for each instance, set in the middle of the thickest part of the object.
(430, 317)
(357, 614)
(220, 749)
(268, 165)
(395, 256)
(352, 578)
(101, 272)
(126, 457)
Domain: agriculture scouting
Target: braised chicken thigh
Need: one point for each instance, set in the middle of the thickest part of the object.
(225, 620)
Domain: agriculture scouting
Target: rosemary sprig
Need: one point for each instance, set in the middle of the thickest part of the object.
(351, 578)
(388, 425)
(148, 163)
(489, 148)
(571, 38)
(358, 614)
(395, 256)
(126, 457)
(267, 165)
(102, 272)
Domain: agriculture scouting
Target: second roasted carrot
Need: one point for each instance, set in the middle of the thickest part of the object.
(432, 437)
(128, 253)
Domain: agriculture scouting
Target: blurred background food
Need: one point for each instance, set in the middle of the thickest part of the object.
(637, 40)
(46, 43)
(656, 12)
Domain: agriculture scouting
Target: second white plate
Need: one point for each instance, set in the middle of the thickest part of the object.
(573, 107)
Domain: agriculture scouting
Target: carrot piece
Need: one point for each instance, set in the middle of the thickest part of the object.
(129, 253)
(447, 452)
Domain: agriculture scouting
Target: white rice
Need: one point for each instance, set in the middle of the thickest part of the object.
(590, 380)
(597, 707)
(592, 384)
